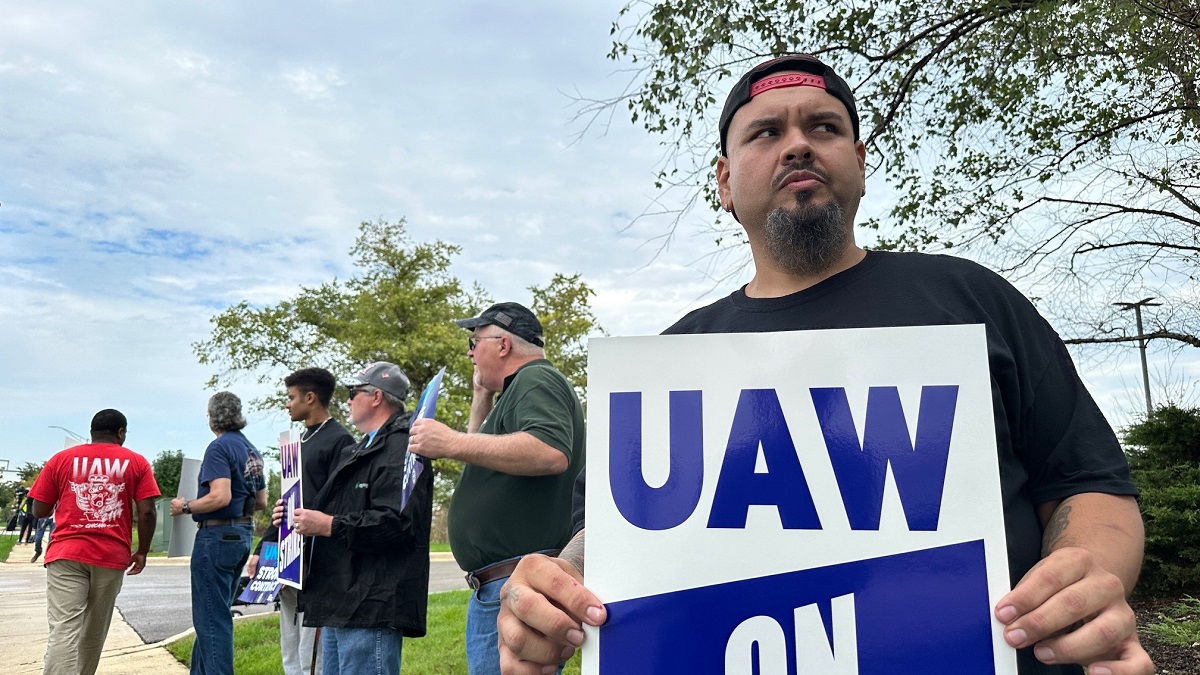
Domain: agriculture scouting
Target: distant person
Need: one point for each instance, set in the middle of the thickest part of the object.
(28, 523)
(523, 449)
(231, 487)
(44, 525)
(92, 490)
(368, 581)
(14, 521)
(309, 392)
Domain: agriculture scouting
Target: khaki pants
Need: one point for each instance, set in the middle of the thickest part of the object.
(79, 607)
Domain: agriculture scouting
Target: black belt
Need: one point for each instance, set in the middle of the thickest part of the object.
(215, 522)
(499, 570)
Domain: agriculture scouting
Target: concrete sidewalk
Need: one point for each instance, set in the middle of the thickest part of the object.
(23, 627)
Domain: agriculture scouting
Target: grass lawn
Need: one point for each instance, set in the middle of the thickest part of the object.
(255, 646)
(6, 546)
(441, 652)
(439, 547)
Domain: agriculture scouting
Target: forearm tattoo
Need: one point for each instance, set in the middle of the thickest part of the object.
(573, 551)
(1056, 529)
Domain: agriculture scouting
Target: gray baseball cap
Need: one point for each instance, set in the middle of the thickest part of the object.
(386, 377)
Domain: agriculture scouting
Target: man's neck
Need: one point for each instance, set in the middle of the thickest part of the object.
(770, 281)
(318, 416)
(518, 362)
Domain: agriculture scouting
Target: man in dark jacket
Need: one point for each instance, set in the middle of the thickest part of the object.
(369, 575)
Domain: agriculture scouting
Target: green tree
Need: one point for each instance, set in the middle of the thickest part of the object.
(564, 308)
(29, 472)
(8, 498)
(1164, 460)
(274, 485)
(168, 466)
(1056, 139)
(399, 308)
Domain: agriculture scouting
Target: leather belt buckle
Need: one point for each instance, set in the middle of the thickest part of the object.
(491, 573)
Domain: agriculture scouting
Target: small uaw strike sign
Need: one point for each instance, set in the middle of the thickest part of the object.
(805, 502)
(265, 585)
(291, 542)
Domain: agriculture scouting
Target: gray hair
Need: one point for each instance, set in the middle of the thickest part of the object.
(394, 403)
(523, 347)
(225, 412)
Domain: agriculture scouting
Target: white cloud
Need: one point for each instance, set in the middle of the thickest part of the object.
(191, 64)
(313, 83)
(163, 161)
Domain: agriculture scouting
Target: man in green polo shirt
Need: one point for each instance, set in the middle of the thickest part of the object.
(523, 448)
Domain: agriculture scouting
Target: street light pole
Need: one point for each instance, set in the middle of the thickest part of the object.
(1141, 335)
(74, 435)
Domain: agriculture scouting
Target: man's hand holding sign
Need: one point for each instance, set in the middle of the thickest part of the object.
(1083, 581)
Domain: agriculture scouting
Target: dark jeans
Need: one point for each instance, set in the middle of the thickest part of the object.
(44, 525)
(27, 528)
(218, 556)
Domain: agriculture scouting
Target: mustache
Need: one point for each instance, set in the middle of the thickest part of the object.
(806, 165)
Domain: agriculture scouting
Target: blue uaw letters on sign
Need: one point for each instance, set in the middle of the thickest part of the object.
(760, 424)
(834, 510)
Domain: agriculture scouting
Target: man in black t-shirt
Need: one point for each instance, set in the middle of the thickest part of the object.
(792, 172)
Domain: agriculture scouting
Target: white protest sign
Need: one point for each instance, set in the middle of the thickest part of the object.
(291, 543)
(813, 501)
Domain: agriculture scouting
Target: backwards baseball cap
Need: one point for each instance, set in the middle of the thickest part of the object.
(386, 377)
(512, 317)
(811, 73)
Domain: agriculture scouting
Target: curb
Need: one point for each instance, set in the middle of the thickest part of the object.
(192, 631)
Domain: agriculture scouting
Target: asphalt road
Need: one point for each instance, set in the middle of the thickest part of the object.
(157, 603)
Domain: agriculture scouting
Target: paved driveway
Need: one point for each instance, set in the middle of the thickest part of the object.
(158, 604)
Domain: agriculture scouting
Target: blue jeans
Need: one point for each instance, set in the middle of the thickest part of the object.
(483, 654)
(218, 556)
(44, 525)
(360, 651)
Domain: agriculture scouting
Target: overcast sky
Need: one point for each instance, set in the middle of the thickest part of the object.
(162, 161)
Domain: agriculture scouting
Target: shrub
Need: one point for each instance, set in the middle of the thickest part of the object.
(1164, 460)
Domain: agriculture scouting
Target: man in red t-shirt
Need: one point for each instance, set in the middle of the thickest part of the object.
(91, 489)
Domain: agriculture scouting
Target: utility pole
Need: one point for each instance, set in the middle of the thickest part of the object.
(1141, 336)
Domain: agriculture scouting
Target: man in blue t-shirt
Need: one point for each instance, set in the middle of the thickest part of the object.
(231, 488)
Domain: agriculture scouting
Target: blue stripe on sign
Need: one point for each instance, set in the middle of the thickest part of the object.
(923, 613)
